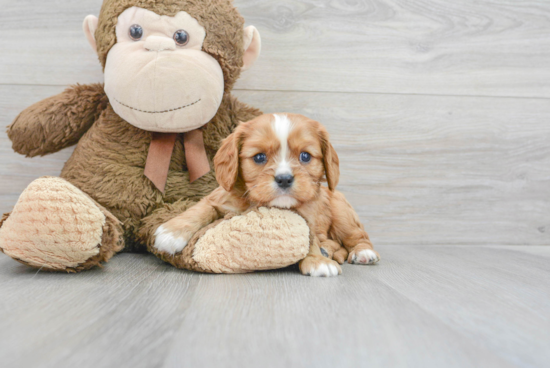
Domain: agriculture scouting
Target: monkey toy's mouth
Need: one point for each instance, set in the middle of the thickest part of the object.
(159, 112)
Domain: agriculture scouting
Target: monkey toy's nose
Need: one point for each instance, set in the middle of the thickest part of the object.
(284, 181)
(158, 43)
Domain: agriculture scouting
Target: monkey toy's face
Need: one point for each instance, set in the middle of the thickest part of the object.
(157, 77)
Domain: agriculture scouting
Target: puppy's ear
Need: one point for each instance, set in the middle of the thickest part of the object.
(330, 160)
(226, 162)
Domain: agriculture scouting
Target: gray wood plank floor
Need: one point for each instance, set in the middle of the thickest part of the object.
(421, 307)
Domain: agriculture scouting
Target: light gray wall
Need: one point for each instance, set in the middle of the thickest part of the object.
(439, 110)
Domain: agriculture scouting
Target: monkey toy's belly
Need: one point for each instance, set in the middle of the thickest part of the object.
(108, 164)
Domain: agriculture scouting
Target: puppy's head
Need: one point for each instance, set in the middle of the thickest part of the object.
(277, 160)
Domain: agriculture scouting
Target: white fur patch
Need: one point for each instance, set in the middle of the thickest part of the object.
(165, 241)
(284, 202)
(324, 270)
(283, 126)
(365, 257)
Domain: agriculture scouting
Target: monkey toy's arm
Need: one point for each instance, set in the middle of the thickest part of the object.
(57, 122)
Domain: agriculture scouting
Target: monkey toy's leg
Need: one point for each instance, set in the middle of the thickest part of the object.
(169, 230)
(56, 227)
(347, 228)
(237, 243)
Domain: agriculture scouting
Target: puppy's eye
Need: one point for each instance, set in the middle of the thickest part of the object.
(181, 37)
(305, 157)
(260, 158)
(136, 32)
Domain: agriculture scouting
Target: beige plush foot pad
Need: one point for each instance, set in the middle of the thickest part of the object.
(54, 225)
(262, 239)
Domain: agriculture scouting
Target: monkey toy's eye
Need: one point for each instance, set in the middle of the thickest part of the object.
(136, 32)
(305, 157)
(181, 37)
(260, 158)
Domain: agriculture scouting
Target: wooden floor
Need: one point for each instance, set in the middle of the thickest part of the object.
(420, 307)
(440, 113)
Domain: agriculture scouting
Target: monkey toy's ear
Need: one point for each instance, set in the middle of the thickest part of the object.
(89, 26)
(252, 46)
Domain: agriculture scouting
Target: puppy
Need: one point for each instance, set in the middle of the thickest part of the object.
(280, 161)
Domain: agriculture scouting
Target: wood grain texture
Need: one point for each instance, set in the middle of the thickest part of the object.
(134, 306)
(418, 169)
(491, 47)
(16, 171)
(420, 307)
(433, 170)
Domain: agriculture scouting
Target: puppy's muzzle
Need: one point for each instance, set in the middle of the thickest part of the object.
(284, 181)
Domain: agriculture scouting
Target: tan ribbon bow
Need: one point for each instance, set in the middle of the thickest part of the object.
(160, 155)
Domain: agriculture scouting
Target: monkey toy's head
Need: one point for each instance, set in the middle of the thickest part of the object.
(168, 63)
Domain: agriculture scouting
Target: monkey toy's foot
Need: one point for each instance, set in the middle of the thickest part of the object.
(56, 227)
(260, 239)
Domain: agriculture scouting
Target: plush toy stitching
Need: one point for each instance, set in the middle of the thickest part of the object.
(158, 112)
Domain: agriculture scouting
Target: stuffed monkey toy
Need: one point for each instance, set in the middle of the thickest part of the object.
(145, 145)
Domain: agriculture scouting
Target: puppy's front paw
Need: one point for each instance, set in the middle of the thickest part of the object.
(319, 266)
(363, 256)
(169, 241)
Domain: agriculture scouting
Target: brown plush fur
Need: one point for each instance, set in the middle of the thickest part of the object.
(109, 160)
(159, 216)
(57, 122)
(3, 219)
(112, 242)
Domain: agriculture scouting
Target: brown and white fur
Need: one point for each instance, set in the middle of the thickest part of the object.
(263, 164)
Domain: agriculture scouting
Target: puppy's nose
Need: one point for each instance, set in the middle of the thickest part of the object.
(284, 181)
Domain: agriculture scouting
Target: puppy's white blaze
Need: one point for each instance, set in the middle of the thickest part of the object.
(166, 242)
(324, 270)
(284, 202)
(282, 127)
(365, 256)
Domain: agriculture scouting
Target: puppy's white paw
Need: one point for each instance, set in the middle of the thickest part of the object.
(319, 266)
(168, 242)
(324, 270)
(364, 257)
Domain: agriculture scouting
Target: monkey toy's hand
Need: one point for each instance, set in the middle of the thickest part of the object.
(57, 122)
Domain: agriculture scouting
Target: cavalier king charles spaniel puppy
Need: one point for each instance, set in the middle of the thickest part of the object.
(280, 160)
